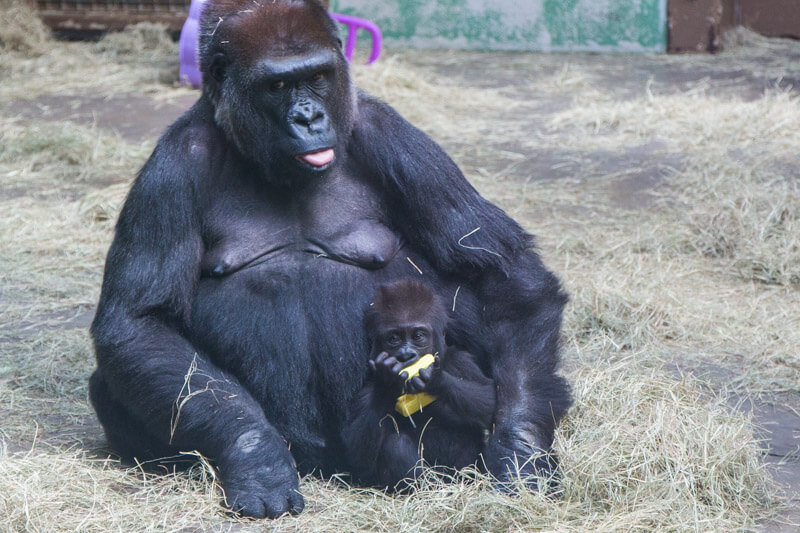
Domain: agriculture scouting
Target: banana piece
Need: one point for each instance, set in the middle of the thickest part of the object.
(408, 404)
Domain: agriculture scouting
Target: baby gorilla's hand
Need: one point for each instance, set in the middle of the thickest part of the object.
(426, 381)
(388, 370)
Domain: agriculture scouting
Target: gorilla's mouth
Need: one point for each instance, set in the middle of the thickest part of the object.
(319, 159)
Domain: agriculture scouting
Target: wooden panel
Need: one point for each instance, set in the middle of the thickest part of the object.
(773, 18)
(109, 20)
(97, 15)
(697, 25)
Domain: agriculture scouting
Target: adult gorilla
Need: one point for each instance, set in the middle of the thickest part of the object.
(230, 320)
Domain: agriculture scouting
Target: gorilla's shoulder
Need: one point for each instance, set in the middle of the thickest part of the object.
(193, 143)
(371, 108)
(195, 133)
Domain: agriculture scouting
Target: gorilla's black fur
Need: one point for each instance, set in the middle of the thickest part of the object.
(254, 237)
(405, 322)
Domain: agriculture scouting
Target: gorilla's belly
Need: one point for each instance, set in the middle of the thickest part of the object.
(290, 329)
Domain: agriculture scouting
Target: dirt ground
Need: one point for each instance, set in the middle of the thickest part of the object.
(627, 182)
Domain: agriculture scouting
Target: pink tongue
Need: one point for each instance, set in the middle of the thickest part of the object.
(318, 159)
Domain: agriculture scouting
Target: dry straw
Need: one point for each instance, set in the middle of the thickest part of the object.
(22, 32)
(140, 59)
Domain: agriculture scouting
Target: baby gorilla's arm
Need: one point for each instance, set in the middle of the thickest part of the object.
(465, 395)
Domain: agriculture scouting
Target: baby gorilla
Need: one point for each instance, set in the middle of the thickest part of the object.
(384, 446)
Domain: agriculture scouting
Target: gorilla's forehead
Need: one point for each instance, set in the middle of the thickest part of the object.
(277, 30)
(291, 66)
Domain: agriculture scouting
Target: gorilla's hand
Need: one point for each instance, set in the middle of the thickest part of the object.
(428, 379)
(259, 477)
(388, 370)
(515, 460)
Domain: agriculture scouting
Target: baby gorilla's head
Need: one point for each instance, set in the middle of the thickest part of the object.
(406, 320)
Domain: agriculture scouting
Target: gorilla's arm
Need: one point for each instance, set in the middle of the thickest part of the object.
(523, 312)
(465, 396)
(429, 198)
(439, 213)
(147, 367)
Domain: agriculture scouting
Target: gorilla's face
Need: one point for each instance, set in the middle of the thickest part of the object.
(283, 97)
(406, 342)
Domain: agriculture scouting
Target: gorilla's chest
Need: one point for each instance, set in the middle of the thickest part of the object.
(338, 219)
(285, 283)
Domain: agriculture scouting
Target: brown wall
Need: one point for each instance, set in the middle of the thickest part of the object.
(773, 18)
(696, 25)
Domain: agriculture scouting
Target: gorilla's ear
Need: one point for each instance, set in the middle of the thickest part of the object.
(219, 64)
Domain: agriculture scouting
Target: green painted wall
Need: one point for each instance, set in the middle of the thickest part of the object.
(545, 25)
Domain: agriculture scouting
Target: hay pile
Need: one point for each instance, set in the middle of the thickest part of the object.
(144, 41)
(719, 259)
(141, 59)
(705, 272)
(640, 451)
(22, 31)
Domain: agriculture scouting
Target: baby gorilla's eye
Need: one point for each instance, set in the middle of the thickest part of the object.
(420, 336)
(393, 339)
(277, 85)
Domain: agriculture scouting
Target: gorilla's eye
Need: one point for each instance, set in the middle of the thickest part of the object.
(420, 336)
(318, 77)
(393, 339)
(277, 85)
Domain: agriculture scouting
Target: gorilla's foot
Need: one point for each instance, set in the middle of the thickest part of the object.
(516, 463)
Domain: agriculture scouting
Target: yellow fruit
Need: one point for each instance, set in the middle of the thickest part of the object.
(408, 404)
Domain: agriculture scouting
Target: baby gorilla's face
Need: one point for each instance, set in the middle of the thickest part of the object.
(407, 342)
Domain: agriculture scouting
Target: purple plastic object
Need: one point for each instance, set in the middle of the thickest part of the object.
(187, 46)
(353, 24)
(187, 52)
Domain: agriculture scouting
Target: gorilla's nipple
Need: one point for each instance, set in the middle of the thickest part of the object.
(216, 265)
